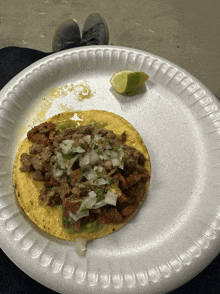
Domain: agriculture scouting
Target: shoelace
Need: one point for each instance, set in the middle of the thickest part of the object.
(93, 36)
(69, 44)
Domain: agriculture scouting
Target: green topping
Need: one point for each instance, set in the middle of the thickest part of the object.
(96, 181)
(62, 126)
(115, 187)
(99, 194)
(84, 209)
(69, 155)
(98, 172)
(97, 124)
(69, 221)
(84, 169)
(123, 160)
(88, 228)
(58, 166)
(107, 141)
(82, 146)
(116, 148)
(113, 180)
(100, 152)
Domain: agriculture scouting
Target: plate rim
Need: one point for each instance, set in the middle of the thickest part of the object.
(22, 74)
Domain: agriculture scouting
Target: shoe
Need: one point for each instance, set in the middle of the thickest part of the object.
(67, 34)
(95, 31)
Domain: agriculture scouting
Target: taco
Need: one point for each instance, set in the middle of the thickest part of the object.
(81, 178)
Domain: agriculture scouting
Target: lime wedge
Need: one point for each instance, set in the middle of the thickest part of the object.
(126, 81)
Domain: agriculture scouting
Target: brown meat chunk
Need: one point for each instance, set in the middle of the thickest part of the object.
(75, 176)
(111, 216)
(40, 134)
(37, 176)
(36, 148)
(52, 182)
(77, 192)
(27, 165)
(123, 198)
(110, 135)
(136, 192)
(124, 137)
(50, 197)
(134, 178)
(46, 154)
(38, 163)
(128, 210)
(141, 159)
(132, 156)
(70, 204)
(64, 189)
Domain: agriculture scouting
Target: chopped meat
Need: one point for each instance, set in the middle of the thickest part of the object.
(52, 182)
(136, 192)
(110, 216)
(124, 137)
(64, 188)
(102, 132)
(123, 198)
(134, 178)
(70, 189)
(70, 204)
(36, 148)
(132, 156)
(38, 163)
(75, 176)
(41, 133)
(46, 154)
(78, 224)
(112, 172)
(47, 176)
(122, 180)
(97, 211)
(141, 159)
(37, 175)
(110, 135)
(27, 165)
(50, 197)
(86, 145)
(116, 142)
(128, 210)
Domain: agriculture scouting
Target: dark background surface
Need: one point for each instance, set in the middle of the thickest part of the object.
(15, 281)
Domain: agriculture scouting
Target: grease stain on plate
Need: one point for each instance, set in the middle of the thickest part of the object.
(78, 91)
(65, 108)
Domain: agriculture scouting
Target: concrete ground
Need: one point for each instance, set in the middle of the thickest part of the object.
(185, 32)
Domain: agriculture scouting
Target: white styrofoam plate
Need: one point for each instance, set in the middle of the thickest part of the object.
(175, 234)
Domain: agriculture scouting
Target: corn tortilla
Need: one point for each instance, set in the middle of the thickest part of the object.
(49, 219)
